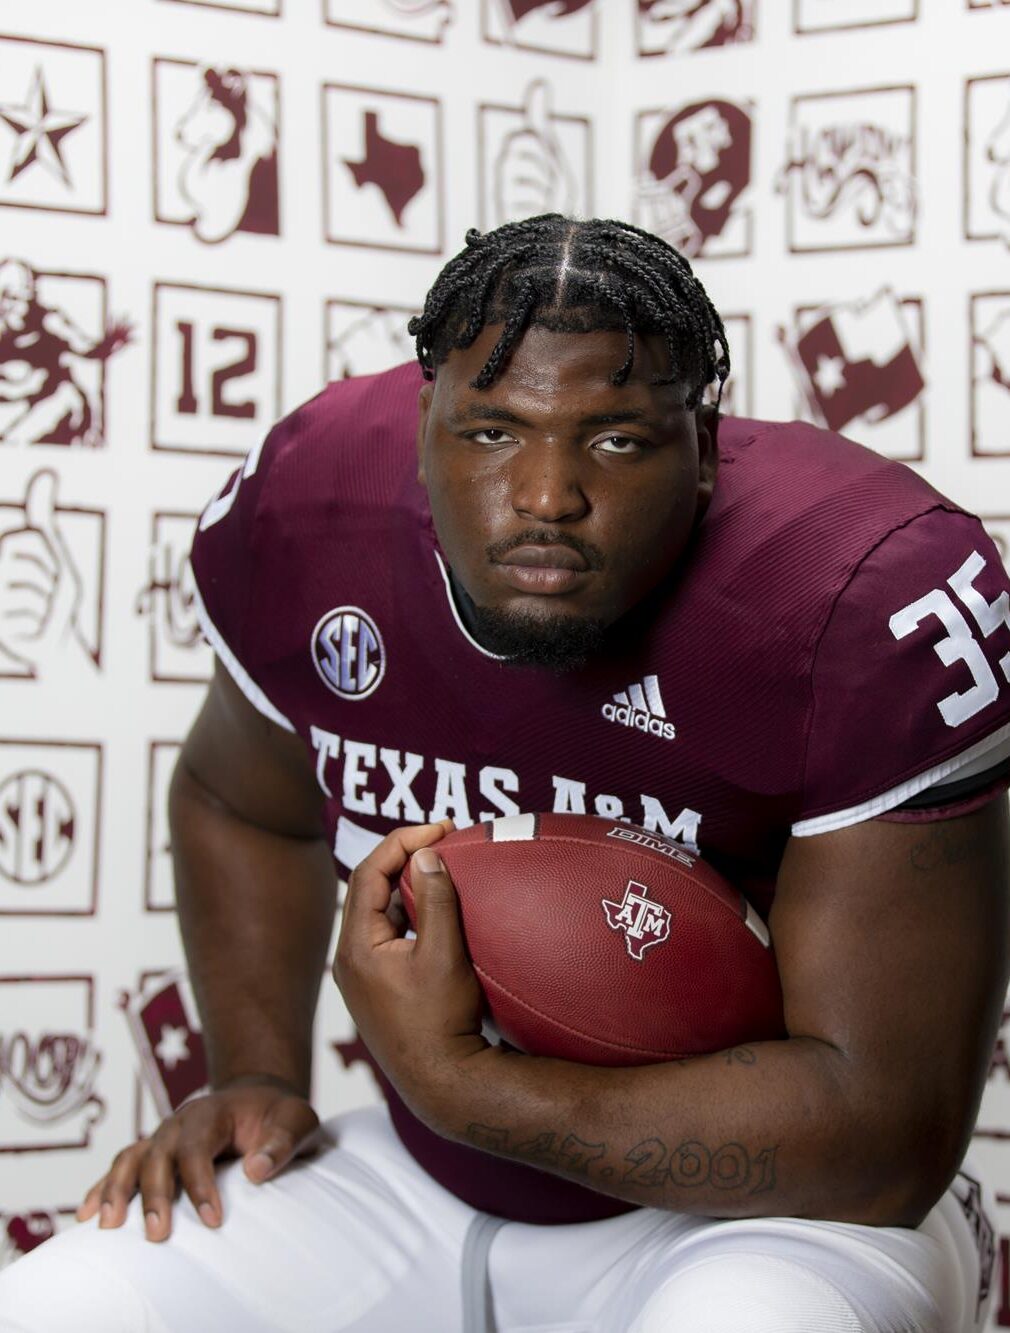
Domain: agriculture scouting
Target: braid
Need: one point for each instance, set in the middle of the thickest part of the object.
(574, 276)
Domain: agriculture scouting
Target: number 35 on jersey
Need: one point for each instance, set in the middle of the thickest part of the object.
(968, 620)
(217, 376)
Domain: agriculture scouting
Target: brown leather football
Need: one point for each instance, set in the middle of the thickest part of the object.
(604, 943)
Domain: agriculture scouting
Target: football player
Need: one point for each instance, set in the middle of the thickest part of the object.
(583, 590)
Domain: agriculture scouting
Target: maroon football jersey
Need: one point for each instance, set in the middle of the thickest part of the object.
(835, 639)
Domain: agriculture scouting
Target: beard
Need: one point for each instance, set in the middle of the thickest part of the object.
(559, 643)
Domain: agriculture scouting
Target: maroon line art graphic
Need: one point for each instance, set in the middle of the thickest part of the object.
(856, 361)
(42, 400)
(696, 168)
(394, 167)
(22, 1232)
(47, 1073)
(673, 27)
(532, 174)
(39, 131)
(159, 887)
(830, 16)
(415, 20)
(849, 175)
(216, 144)
(50, 821)
(165, 1027)
(45, 599)
(989, 321)
(266, 9)
(555, 27)
(177, 648)
(987, 158)
(382, 169)
(215, 368)
(361, 339)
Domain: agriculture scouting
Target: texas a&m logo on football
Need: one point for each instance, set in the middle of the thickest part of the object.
(348, 652)
(643, 921)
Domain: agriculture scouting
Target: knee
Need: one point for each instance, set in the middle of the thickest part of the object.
(60, 1288)
(747, 1293)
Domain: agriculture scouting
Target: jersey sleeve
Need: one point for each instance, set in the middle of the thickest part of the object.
(911, 675)
(224, 561)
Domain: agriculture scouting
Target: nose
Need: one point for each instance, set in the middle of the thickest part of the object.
(546, 485)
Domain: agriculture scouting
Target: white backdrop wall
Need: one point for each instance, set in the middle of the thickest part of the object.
(207, 209)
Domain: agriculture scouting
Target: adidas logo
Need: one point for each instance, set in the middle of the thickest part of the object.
(641, 707)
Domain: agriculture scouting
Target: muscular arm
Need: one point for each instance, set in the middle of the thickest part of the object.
(255, 887)
(891, 941)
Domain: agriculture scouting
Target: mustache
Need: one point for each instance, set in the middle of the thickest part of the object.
(591, 554)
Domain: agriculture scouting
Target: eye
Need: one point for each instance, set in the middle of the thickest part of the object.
(489, 435)
(619, 444)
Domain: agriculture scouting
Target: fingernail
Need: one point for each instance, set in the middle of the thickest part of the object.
(259, 1165)
(105, 1215)
(153, 1221)
(208, 1213)
(428, 861)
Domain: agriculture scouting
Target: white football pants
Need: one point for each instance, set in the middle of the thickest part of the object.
(360, 1238)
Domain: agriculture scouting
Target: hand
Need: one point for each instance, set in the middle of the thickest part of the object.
(258, 1118)
(40, 586)
(532, 174)
(417, 1003)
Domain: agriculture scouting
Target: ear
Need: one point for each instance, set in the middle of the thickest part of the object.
(706, 420)
(423, 409)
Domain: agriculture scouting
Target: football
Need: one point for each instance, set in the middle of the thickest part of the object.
(604, 943)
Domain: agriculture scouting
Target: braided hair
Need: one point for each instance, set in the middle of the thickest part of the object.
(574, 277)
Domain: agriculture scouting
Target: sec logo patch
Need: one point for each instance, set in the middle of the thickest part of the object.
(348, 652)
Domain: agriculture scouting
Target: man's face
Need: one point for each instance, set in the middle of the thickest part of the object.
(560, 499)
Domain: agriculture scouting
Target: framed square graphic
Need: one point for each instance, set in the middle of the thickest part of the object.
(692, 176)
(413, 22)
(50, 827)
(849, 178)
(215, 146)
(989, 368)
(177, 651)
(49, 1063)
(532, 160)
(662, 31)
(362, 338)
(987, 158)
(832, 16)
(267, 8)
(159, 884)
(215, 368)
(70, 542)
(569, 30)
(383, 172)
(53, 126)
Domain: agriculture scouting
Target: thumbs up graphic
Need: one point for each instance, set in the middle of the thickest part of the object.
(532, 174)
(40, 584)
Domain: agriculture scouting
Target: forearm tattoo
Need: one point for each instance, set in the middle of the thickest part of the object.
(649, 1166)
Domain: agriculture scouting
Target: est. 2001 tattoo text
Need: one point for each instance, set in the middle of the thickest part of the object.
(650, 1164)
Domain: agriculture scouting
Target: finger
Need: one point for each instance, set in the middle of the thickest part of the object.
(120, 1184)
(285, 1127)
(157, 1192)
(436, 906)
(195, 1164)
(369, 888)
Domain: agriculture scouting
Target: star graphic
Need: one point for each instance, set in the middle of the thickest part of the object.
(39, 130)
(829, 375)
(172, 1049)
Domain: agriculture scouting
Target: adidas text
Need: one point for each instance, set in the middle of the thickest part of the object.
(639, 720)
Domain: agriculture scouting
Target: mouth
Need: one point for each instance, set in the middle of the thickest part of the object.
(546, 570)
